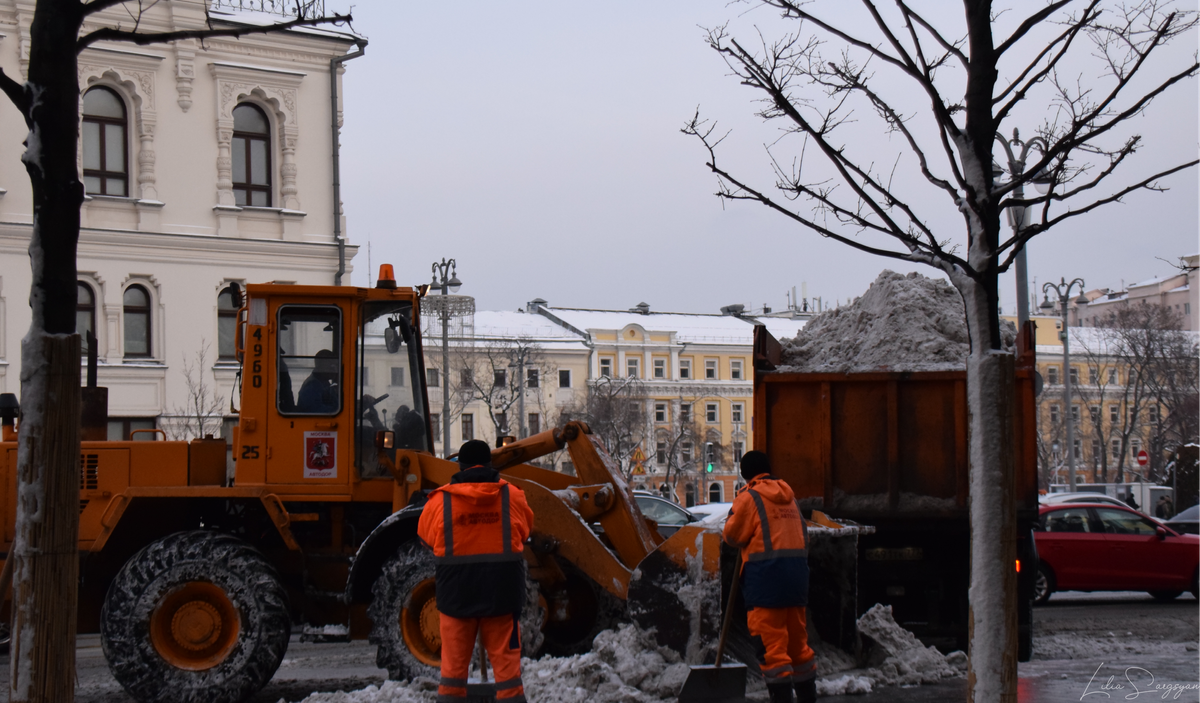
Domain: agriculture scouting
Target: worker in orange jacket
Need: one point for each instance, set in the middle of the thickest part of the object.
(477, 526)
(765, 523)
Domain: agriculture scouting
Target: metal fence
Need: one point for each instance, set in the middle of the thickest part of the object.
(286, 8)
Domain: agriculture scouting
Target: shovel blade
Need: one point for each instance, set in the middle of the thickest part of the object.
(709, 684)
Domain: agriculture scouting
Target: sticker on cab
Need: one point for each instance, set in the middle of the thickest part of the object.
(320, 455)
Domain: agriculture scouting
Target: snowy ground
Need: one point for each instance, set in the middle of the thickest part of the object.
(1081, 641)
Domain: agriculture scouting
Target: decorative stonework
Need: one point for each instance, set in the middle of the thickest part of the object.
(273, 90)
(185, 72)
(132, 74)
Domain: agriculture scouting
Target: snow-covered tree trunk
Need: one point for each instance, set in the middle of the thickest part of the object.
(46, 562)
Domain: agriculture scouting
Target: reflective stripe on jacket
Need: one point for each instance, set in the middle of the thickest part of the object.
(477, 531)
(766, 524)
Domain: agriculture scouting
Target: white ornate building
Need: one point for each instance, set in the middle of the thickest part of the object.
(207, 166)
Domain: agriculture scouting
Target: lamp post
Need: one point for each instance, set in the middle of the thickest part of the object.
(446, 285)
(1018, 215)
(1063, 292)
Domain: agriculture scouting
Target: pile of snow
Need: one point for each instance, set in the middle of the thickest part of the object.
(625, 665)
(902, 323)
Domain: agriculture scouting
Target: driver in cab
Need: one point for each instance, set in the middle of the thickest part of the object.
(319, 393)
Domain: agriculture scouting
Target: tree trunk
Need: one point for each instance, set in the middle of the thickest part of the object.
(46, 561)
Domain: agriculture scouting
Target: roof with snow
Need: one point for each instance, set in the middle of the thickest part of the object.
(688, 327)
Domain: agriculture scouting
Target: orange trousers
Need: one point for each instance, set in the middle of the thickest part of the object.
(501, 639)
(787, 657)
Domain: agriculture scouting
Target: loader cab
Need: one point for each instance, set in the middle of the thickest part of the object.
(326, 371)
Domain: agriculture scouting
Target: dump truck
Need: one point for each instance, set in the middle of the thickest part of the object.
(889, 449)
(195, 580)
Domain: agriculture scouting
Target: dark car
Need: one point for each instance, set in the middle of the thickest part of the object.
(1187, 522)
(669, 516)
(1108, 548)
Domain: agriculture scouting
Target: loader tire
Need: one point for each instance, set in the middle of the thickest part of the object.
(404, 617)
(195, 617)
(405, 624)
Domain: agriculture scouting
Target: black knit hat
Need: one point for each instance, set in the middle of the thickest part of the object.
(755, 463)
(474, 453)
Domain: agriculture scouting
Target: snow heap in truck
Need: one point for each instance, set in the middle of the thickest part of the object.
(902, 323)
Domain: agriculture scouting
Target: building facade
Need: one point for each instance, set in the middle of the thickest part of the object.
(207, 166)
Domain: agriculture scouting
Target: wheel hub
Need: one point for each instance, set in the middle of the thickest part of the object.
(420, 624)
(196, 625)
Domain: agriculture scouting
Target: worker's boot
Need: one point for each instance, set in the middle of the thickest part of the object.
(780, 692)
(806, 691)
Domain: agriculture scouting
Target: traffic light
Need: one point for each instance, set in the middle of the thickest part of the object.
(710, 457)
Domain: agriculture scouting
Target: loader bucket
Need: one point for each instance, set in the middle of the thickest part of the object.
(675, 593)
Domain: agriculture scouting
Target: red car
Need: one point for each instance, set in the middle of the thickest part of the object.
(1101, 547)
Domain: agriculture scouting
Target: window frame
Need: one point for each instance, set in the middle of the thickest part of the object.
(532, 378)
(712, 413)
(147, 311)
(248, 187)
(228, 316)
(606, 366)
(660, 413)
(1052, 375)
(466, 423)
(1055, 414)
(104, 123)
(660, 368)
(737, 412)
(633, 367)
(560, 378)
(90, 310)
(433, 378)
(685, 369)
(735, 369)
(712, 370)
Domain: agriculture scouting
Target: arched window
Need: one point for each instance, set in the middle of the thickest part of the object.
(85, 315)
(251, 156)
(689, 495)
(104, 143)
(228, 302)
(714, 493)
(137, 322)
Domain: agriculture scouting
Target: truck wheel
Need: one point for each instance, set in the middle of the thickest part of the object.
(1043, 585)
(196, 617)
(405, 623)
(404, 616)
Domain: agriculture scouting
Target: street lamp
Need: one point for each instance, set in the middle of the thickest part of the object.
(1018, 215)
(446, 286)
(1063, 292)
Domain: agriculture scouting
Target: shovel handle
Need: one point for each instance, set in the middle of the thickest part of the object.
(733, 593)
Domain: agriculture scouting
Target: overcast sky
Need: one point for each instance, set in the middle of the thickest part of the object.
(538, 144)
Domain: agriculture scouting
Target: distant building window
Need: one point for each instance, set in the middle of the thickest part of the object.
(1135, 446)
(468, 426)
(137, 321)
(120, 429)
(534, 424)
(531, 378)
(1155, 415)
(1095, 450)
(1075, 375)
(104, 143)
(735, 369)
(710, 369)
(1052, 375)
(1078, 447)
(739, 448)
(685, 452)
(689, 495)
(1114, 415)
(466, 377)
(85, 314)
(685, 368)
(1093, 376)
(502, 421)
(431, 378)
(606, 368)
(435, 424)
(714, 493)
(228, 302)
(633, 367)
(564, 378)
(685, 414)
(1094, 412)
(735, 412)
(251, 156)
(660, 453)
(1112, 376)
(1075, 413)
(397, 376)
(711, 413)
(1114, 449)
(660, 413)
(500, 378)
(1054, 414)
(660, 368)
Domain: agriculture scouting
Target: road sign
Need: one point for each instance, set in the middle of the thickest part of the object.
(1143, 458)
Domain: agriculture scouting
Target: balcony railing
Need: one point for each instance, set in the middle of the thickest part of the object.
(284, 8)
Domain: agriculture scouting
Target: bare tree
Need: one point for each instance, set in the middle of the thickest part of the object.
(501, 374)
(45, 564)
(1102, 389)
(615, 410)
(202, 413)
(823, 79)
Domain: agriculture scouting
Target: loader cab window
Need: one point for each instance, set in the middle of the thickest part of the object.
(388, 351)
(309, 360)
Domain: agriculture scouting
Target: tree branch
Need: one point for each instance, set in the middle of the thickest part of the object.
(17, 94)
(951, 48)
(1029, 23)
(1067, 38)
(112, 34)
(95, 6)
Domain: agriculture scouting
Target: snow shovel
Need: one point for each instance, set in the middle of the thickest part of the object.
(709, 683)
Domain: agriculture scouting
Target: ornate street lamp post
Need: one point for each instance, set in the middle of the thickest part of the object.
(447, 285)
(1018, 215)
(1063, 292)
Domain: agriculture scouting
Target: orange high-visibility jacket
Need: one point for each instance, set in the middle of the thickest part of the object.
(477, 531)
(766, 524)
